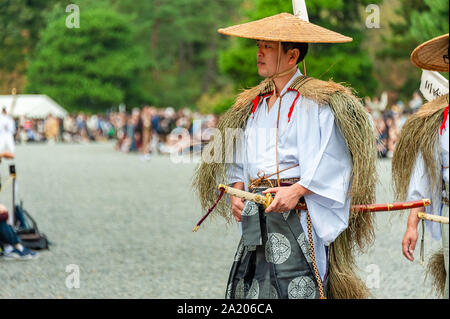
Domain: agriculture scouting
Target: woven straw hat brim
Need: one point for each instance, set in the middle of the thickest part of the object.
(285, 27)
(429, 55)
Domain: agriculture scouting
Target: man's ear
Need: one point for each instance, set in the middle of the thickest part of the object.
(293, 55)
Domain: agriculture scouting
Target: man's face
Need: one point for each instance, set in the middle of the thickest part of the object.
(267, 56)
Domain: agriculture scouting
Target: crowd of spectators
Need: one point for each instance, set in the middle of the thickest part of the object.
(389, 120)
(73, 128)
(149, 129)
(145, 130)
(163, 131)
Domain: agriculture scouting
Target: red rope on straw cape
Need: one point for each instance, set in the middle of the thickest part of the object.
(293, 103)
(256, 102)
(445, 119)
(222, 191)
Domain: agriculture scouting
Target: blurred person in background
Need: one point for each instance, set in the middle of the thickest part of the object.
(82, 129)
(69, 128)
(377, 106)
(93, 128)
(51, 129)
(145, 126)
(399, 115)
(7, 131)
(381, 134)
(416, 102)
(392, 135)
(121, 129)
(166, 123)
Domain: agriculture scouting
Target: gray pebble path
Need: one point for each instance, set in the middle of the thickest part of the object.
(127, 224)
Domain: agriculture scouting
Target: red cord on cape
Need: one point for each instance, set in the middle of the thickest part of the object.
(257, 99)
(293, 103)
(445, 119)
(256, 102)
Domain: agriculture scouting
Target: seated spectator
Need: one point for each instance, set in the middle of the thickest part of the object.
(10, 243)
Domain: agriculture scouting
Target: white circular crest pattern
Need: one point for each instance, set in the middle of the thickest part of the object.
(240, 252)
(253, 292)
(302, 287)
(304, 245)
(250, 209)
(273, 293)
(278, 248)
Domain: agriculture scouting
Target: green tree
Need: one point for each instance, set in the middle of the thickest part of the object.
(20, 24)
(182, 46)
(341, 62)
(419, 21)
(91, 68)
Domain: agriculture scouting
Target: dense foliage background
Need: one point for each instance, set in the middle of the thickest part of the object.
(168, 52)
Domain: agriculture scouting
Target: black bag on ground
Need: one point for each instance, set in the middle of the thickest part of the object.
(26, 228)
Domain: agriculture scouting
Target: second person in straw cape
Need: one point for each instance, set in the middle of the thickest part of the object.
(421, 160)
(304, 138)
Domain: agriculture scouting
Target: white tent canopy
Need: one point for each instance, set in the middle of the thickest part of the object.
(37, 106)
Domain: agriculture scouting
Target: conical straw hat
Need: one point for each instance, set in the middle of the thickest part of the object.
(284, 27)
(430, 54)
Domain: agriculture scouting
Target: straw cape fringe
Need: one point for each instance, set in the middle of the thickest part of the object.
(356, 128)
(419, 134)
(436, 268)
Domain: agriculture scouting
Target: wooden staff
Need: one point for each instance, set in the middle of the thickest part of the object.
(433, 218)
(391, 206)
(267, 199)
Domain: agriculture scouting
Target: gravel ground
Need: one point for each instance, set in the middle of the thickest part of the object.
(127, 225)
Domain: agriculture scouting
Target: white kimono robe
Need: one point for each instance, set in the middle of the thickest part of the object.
(313, 140)
(420, 186)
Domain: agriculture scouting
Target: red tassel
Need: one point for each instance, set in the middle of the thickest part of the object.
(222, 191)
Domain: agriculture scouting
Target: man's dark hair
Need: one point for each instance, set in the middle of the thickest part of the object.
(302, 47)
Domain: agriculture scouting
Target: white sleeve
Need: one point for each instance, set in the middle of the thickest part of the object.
(325, 166)
(235, 173)
(235, 170)
(419, 185)
(420, 188)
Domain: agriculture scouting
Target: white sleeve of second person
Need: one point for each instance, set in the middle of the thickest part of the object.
(419, 188)
(325, 166)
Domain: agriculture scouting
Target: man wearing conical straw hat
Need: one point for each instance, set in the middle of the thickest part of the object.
(420, 162)
(303, 139)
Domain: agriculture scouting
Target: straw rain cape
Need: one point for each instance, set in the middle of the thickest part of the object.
(420, 134)
(355, 125)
